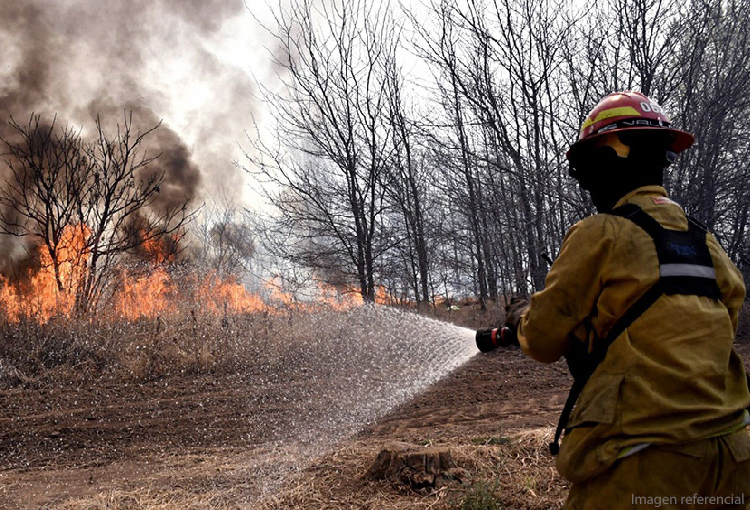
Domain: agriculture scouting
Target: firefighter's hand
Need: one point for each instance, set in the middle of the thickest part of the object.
(514, 311)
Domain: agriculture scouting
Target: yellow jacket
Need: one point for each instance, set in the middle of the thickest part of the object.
(672, 376)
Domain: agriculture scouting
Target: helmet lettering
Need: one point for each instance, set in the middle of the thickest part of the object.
(651, 107)
(636, 122)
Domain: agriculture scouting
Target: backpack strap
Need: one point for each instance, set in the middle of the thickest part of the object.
(685, 263)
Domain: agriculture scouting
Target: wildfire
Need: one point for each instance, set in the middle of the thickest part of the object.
(222, 296)
(338, 300)
(278, 295)
(160, 250)
(147, 296)
(52, 290)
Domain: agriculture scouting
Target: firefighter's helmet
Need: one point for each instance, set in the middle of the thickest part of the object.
(622, 111)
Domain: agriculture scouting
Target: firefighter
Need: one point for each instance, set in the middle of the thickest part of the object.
(643, 303)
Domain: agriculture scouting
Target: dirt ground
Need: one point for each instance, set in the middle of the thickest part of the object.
(227, 442)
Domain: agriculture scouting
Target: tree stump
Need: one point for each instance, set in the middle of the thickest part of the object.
(416, 466)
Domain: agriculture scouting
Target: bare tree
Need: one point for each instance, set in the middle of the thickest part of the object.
(47, 171)
(327, 179)
(225, 238)
(500, 66)
(714, 65)
(104, 189)
(407, 186)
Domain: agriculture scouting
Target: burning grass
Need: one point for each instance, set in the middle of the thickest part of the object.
(154, 317)
(156, 328)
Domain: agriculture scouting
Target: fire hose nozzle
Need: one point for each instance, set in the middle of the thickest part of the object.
(490, 339)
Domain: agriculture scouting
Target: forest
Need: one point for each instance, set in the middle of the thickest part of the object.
(421, 150)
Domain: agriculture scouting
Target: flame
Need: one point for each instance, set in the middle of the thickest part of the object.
(221, 296)
(11, 300)
(160, 250)
(145, 296)
(382, 297)
(338, 299)
(52, 290)
(154, 293)
(279, 295)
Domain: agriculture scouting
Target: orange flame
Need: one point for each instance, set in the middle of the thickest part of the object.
(12, 302)
(147, 296)
(337, 299)
(221, 296)
(52, 290)
(279, 295)
(160, 250)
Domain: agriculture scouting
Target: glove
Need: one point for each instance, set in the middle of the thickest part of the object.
(514, 311)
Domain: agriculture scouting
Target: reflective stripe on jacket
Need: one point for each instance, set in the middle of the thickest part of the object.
(669, 378)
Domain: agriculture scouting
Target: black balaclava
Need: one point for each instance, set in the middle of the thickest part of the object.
(608, 177)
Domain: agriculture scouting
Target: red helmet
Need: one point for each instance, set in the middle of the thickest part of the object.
(622, 111)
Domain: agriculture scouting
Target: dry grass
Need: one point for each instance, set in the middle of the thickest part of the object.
(520, 470)
(72, 350)
(153, 500)
(224, 478)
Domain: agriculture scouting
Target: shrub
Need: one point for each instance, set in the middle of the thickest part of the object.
(481, 496)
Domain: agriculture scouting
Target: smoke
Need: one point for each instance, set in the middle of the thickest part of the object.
(18, 21)
(168, 60)
(163, 58)
(182, 175)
